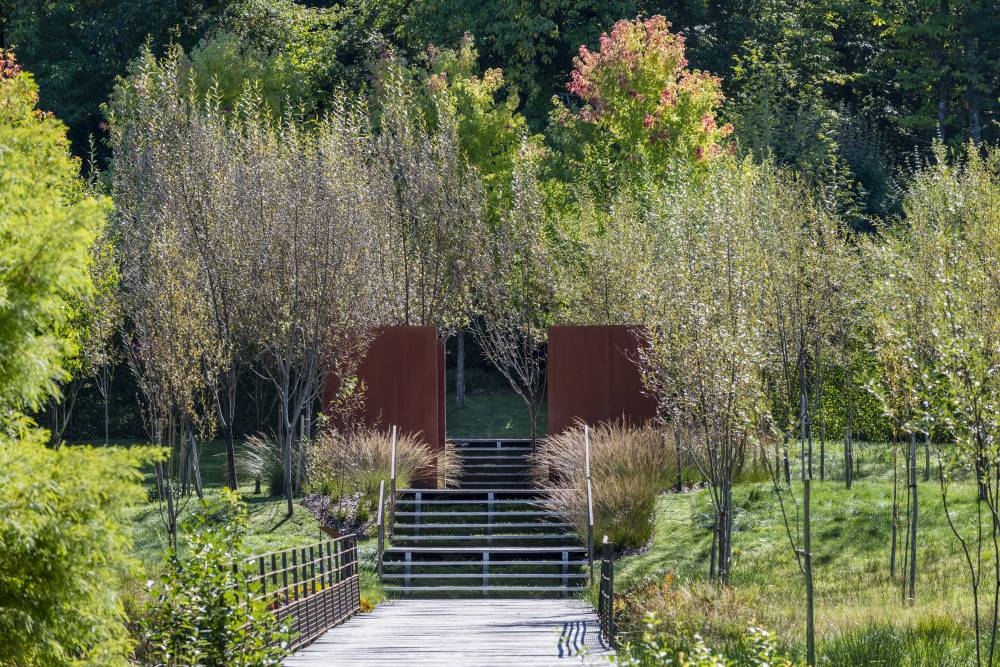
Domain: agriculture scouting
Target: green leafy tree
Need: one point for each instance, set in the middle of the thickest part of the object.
(285, 49)
(47, 222)
(638, 110)
(63, 533)
(76, 48)
(64, 542)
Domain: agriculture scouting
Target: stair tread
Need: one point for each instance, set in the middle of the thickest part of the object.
(525, 589)
(468, 491)
(490, 575)
(500, 513)
(547, 536)
(477, 563)
(438, 526)
(507, 549)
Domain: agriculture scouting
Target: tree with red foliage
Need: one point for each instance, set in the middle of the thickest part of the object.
(639, 108)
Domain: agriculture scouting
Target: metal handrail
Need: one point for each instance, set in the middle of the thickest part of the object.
(380, 522)
(590, 501)
(310, 588)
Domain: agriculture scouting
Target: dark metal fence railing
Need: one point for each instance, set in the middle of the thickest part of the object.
(315, 587)
(606, 593)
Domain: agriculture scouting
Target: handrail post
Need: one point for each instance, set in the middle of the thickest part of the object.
(392, 474)
(380, 522)
(606, 594)
(590, 501)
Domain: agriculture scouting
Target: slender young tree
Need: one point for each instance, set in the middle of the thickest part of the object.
(516, 298)
(705, 325)
(952, 212)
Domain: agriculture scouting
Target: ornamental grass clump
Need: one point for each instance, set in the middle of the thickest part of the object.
(341, 464)
(629, 468)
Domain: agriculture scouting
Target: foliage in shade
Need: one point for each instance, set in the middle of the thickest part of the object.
(47, 221)
(64, 544)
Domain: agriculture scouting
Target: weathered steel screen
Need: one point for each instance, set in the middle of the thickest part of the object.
(403, 373)
(593, 375)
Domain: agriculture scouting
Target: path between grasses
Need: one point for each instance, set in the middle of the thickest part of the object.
(473, 633)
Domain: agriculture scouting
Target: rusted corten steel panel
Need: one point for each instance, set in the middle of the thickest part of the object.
(403, 373)
(593, 375)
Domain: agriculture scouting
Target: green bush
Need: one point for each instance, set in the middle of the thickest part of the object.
(64, 540)
(202, 610)
(933, 641)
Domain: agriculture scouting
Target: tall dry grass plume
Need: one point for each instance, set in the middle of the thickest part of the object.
(629, 468)
(347, 463)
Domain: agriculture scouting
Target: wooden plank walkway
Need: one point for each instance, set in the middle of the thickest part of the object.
(470, 633)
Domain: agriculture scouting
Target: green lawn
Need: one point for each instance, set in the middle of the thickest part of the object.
(495, 415)
(269, 527)
(851, 547)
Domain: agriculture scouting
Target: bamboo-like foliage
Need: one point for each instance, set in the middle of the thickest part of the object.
(429, 233)
(243, 238)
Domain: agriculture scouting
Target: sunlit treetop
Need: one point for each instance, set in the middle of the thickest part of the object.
(636, 89)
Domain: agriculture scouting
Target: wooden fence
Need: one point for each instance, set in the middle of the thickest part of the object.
(316, 587)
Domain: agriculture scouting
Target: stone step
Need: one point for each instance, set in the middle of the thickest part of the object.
(458, 564)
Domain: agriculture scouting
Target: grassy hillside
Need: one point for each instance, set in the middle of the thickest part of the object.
(856, 598)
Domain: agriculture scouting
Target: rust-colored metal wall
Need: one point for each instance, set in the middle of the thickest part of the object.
(403, 372)
(593, 376)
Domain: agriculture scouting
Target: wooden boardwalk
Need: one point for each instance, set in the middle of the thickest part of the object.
(470, 633)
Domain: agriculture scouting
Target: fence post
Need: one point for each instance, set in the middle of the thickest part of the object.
(590, 502)
(380, 521)
(606, 596)
(392, 474)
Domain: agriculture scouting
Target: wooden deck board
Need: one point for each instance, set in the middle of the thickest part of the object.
(471, 633)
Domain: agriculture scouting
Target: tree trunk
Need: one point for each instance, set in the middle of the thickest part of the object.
(913, 516)
(807, 570)
(822, 451)
(460, 369)
(895, 512)
(788, 466)
(927, 457)
(231, 387)
(105, 395)
(677, 453)
(848, 449)
(715, 544)
(196, 465)
(803, 416)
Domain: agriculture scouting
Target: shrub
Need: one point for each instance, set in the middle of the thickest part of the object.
(654, 648)
(682, 613)
(339, 464)
(203, 612)
(629, 467)
(64, 538)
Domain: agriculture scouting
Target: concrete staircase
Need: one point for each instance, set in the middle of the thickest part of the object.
(492, 536)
